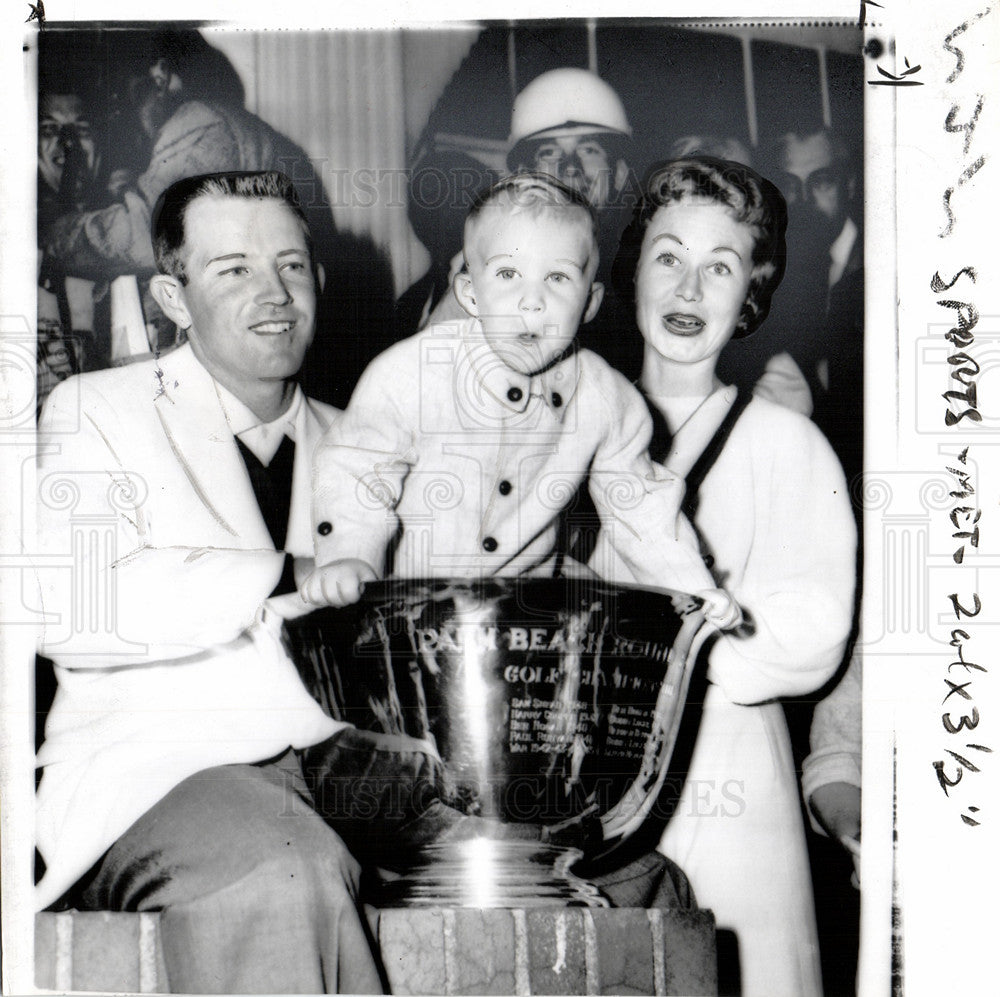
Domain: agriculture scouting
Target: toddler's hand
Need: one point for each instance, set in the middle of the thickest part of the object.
(338, 583)
(720, 608)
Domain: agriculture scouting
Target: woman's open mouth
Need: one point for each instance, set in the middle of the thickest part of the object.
(681, 324)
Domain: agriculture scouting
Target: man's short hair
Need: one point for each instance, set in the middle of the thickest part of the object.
(167, 226)
(753, 201)
(537, 194)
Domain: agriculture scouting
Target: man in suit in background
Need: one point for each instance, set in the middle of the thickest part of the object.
(817, 318)
(820, 182)
(169, 777)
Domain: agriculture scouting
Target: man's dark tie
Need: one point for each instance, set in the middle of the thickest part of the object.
(272, 486)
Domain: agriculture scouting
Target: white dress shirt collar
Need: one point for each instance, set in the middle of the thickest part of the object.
(840, 251)
(262, 438)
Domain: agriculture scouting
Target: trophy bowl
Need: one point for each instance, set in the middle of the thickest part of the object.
(552, 704)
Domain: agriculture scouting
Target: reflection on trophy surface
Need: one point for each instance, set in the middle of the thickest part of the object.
(552, 704)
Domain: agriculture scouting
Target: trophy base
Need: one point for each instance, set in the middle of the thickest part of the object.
(490, 872)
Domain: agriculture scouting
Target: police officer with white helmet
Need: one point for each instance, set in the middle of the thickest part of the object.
(570, 123)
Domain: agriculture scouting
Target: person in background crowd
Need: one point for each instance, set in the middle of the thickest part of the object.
(719, 146)
(442, 187)
(57, 358)
(68, 152)
(823, 185)
(831, 775)
(571, 124)
(70, 310)
(195, 123)
(818, 318)
(188, 99)
(831, 789)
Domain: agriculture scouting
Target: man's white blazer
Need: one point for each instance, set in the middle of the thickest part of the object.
(154, 561)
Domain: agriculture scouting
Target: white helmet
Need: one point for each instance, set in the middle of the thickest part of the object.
(567, 102)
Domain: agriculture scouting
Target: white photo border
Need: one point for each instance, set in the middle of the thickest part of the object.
(932, 130)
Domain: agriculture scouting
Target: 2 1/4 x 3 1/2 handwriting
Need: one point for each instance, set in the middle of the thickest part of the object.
(966, 721)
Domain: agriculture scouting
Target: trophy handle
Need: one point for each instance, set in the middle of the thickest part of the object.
(628, 814)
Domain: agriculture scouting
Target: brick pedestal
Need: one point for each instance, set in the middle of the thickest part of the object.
(442, 951)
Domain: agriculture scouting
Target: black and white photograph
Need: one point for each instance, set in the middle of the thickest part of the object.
(458, 469)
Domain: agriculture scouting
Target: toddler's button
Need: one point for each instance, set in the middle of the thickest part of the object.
(504, 487)
(324, 529)
(515, 394)
(489, 544)
(556, 399)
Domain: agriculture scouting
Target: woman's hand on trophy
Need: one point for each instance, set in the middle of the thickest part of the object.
(720, 608)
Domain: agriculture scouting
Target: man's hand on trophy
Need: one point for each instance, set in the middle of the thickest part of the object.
(386, 796)
(363, 775)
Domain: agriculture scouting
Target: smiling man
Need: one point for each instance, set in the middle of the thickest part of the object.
(244, 288)
(170, 779)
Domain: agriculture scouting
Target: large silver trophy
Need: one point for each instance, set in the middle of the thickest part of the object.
(553, 705)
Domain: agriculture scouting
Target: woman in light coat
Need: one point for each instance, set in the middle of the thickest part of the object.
(766, 493)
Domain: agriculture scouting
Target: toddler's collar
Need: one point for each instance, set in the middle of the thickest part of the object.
(511, 389)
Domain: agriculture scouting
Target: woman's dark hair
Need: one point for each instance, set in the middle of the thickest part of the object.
(753, 201)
